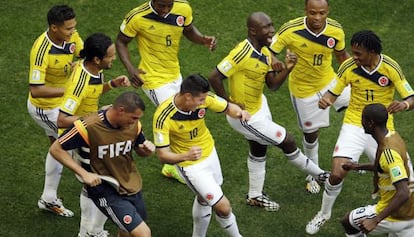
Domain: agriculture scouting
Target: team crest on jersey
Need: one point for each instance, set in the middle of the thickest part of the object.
(180, 20)
(201, 113)
(70, 105)
(209, 196)
(330, 43)
(383, 81)
(127, 219)
(72, 48)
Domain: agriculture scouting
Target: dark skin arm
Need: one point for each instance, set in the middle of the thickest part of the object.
(192, 34)
(354, 166)
(275, 80)
(341, 56)
(397, 106)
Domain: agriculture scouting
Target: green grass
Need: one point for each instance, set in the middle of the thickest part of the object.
(23, 144)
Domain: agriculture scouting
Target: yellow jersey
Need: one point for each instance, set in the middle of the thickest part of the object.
(50, 65)
(377, 86)
(313, 70)
(246, 68)
(182, 130)
(158, 40)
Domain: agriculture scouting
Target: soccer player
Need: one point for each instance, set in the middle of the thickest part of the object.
(182, 138)
(313, 38)
(111, 135)
(393, 182)
(50, 62)
(373, 78)
(81, 98)
(249, 67)
(158, 26)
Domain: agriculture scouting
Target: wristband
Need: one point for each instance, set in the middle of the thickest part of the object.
(407, 104)
(111, 85)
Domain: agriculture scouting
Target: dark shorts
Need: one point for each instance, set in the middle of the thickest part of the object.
(127, 212)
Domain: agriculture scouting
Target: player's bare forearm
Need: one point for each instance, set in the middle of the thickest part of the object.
(65, 120)
(397, 106)
(165, 155)
(237, 112)
(145, 149)
(327, 100)
(216, 81)
(354, 166)
(193, 34)
(42, 91)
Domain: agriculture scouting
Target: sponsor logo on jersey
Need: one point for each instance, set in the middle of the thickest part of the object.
(383, 81)
(115, 150)
(201, 113)
(330, 43)
(180, 20)
(225, 66)
(127, 219)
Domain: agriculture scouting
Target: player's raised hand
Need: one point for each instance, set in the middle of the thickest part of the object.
(194, 153)
(290, 59)
(210, 42)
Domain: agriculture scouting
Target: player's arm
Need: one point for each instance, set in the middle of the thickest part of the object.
(275, 80)
(397, 106)
(61, 155)
(341, 56)
(121, 44)
(327, 100)
(191, 33)
(42, 91)
(354, 166)
(234, 111)
(142, 146)
(66, 120)
(400, 197)
(216, 81)
(120, 81)
(167, 156)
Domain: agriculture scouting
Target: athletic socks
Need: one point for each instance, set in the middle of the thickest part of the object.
(311, 150)
(329, 196)
(257, 172)
(53, 172)
(298, 159)
(229, 225)
(201, 218)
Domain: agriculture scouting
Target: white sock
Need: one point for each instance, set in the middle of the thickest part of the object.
(201, 218)
(229, 224)
(360, 234)
(298, 159)
(257, 173)
(85, 220)
(53, 172)
(329, 196)
(311, 150)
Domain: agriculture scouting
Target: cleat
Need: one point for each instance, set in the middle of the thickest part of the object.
(316, 223)
(263, 201)
(312, 185)
(55, 207)
(322, 177)
(170, 171)
(102, 233)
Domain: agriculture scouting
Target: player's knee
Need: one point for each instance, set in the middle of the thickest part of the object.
(349, 229)
(223, 207)
(289, 144)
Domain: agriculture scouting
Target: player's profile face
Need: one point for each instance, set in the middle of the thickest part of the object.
(316, 13)
(196, 101)
(265, 31)
(109, 57)
(360, 55)
(64, 31)
(162, 7)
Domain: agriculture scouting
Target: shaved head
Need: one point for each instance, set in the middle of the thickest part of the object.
(255, 18)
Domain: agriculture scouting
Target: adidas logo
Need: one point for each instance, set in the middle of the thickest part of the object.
(56, 61)
(152, 27)
(304, 45)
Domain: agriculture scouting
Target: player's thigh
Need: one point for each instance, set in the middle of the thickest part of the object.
(310, 117)
(352, 142)
(159, 95)
(205, 180)
(45, 118)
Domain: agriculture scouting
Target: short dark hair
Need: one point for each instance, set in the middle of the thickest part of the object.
(368, 40)
(377, 113)
(58, 14)
(95, 45)
(306, 2)
(195, 84)
(130, 101)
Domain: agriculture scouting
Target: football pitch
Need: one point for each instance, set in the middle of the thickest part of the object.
(24, 146)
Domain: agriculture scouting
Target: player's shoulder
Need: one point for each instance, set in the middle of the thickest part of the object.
(390, 61)
(240, 51)
(41, 42)
(138, 11)
(347, 65)
(333, 23)
(163, 113)
(292, 24)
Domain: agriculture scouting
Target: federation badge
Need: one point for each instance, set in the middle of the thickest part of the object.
(209, 196)
(383, 81)
(201, 113)
(127, 219)
(330, 43)
(72, 48)
(225, 66)
(159, 138)
(396, 172)
(180, 20)
(70, 105)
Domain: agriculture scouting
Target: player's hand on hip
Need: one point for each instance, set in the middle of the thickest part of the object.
(324, 103)
(244, 115)
(91, 179)
(194, 153)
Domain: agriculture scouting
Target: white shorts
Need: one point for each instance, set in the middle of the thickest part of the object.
(260, 127)
(394, 228)
(352, 141)
(160, 94)
(205, 178)
(45, 118)
(310, 117)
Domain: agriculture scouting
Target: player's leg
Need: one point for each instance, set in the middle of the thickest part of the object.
(201, 217)
(226, 218)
